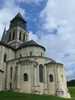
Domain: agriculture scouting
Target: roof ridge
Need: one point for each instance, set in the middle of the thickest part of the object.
(31, 43)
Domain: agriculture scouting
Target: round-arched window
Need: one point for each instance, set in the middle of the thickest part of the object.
(13, 35)
(51, 78)
(20, 36)
(41, 73)
(5, 56)
(25, 77)
(11, 72)
(23, 37)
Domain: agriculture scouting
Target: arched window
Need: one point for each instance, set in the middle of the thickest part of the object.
(20, 36)
(16, 70)
(9, 39)
(13, 35)
(23, 37)
(41, 73)
(5, 56)
(25, 77)
(11, 71)
(51, 78)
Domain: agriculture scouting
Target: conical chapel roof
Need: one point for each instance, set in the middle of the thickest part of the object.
(31, 43)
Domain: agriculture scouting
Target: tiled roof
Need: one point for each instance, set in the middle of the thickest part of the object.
(53, 62)
(31, 43)
(23, 45)
(6, 45)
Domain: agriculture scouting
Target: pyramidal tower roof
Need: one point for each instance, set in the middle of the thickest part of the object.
(18, 16)
(18, 20)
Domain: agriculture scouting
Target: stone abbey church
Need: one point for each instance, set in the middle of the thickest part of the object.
(23, 65)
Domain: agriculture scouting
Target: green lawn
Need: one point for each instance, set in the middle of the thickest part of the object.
(72, 91)
(22, 96)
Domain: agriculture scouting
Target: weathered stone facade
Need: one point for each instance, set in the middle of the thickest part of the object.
(24, 67)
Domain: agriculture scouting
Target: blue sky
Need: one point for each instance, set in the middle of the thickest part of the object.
(50, 22)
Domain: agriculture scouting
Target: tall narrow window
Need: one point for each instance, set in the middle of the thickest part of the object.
(41, 73)
(9, 36)
(5, 56)
(15, 78)
(13, 35)
(25, 77)
(20, 36)
(11, 70)
(16, 69)
(51, 78)
(23, 37)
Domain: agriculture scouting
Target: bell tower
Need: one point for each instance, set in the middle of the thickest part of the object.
(17, 32)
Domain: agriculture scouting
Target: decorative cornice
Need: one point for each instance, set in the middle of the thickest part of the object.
(27, 57)
(27, 61)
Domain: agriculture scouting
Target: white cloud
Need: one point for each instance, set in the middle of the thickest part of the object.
(60, 14)
(8, 11)
(33, 36)
(60, 49)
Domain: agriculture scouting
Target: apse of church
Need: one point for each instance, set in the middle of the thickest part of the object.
(24, 66)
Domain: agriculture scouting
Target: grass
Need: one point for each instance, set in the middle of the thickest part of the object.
(22, 96)
(72, 91)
